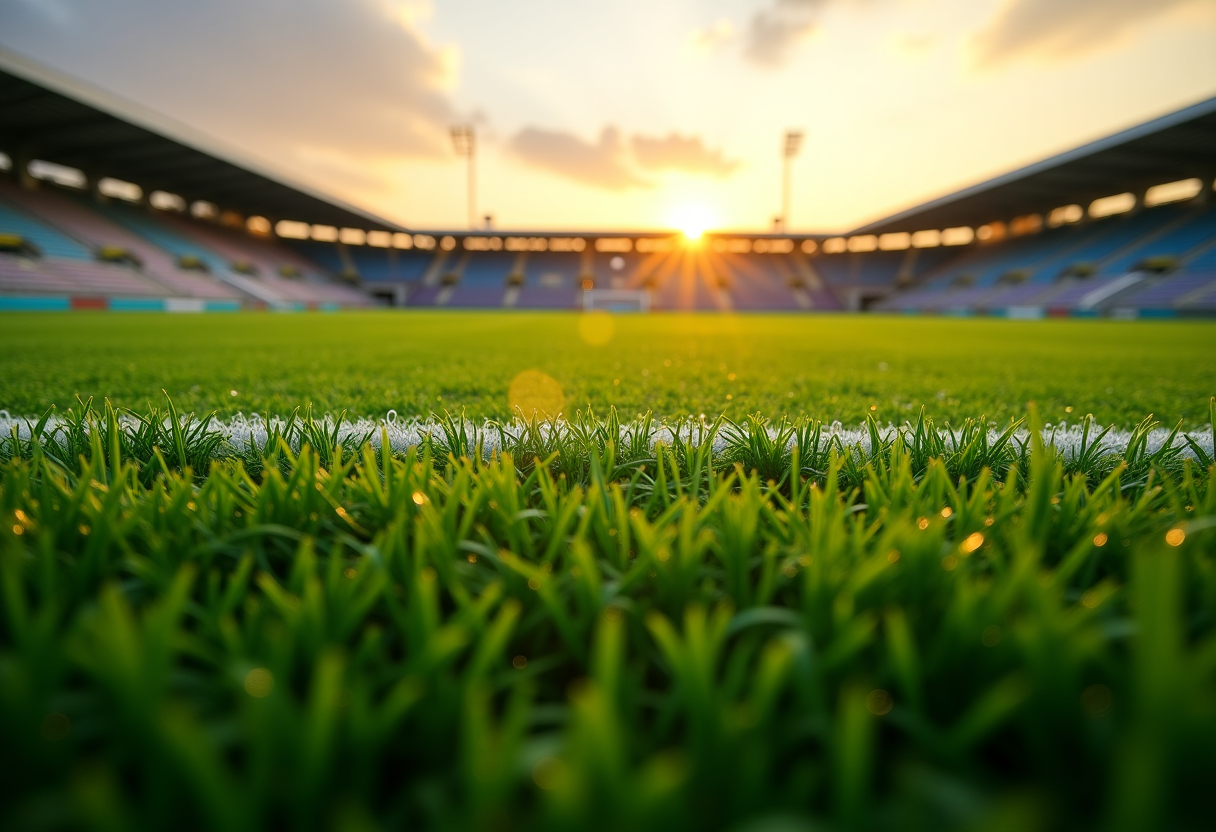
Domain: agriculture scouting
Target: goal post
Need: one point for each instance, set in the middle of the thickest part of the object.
(616, 300)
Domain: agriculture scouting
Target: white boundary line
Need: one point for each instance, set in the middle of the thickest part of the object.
(242, 432)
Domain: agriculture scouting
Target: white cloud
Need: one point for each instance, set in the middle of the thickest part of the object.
(1062, 29)
(683, 153)
(295, 79)
(774, 32)
(599, 164)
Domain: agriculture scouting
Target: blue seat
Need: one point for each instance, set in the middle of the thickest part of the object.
(49, 241)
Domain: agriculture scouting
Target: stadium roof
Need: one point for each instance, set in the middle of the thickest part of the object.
(50, 116)
(1177, 146)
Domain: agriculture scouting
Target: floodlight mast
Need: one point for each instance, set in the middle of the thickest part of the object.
(465, 143)
(793, 142)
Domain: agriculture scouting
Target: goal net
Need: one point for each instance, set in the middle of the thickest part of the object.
(616, 300)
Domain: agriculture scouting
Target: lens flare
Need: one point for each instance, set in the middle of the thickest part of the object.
(693, 220)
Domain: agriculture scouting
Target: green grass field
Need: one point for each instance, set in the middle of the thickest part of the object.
(827, 367)
(754, 626)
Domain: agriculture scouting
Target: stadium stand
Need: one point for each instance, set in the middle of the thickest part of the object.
(1074, 267)
(44, 239)
(65, 235)
(757, 283)
(53, 262)
(551, 281)
(264, 260)
(1147, 259)
(92, 229)
(482, 281)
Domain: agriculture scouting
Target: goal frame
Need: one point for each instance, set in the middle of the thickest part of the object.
(616, 300)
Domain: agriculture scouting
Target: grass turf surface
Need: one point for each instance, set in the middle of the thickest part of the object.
(827, 367)
(629, 637)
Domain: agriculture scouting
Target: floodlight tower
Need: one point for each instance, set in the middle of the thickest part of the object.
(793, 142)
(465, 143)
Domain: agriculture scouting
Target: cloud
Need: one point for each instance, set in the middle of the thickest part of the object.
(773, 33)
(676, 152)
(1052, 29)
(298, 80)
(598, 164)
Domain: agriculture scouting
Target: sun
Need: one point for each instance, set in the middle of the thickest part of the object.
(693, 220)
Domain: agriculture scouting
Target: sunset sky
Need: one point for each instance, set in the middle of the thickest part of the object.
(633, 114)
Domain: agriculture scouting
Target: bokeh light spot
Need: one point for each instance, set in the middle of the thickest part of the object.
(535, 394)
(879, 702)
(596, 328)
(259, 682)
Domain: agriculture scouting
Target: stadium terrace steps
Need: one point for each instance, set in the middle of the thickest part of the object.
(1189, 230)
(1067, 294)
(1106, 238)
(552, 269)
(422, 295)
(759, 283)
(63, 275)
(538, 297)
(374, 265)
(49, 241)
(676, 285)
(1203, 297)
(1167, 292)
(95, 230)
(104, 278)
(1202, 257)
(142, 223)
(1109, 247)
(488, 269)
(266, 257)
(482, 280)
(1025, 294)
(25, 276)
(476, 297)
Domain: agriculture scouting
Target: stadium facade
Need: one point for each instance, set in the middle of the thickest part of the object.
(106, 205)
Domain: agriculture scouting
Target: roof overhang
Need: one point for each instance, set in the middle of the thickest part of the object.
(51, 116)
(1177, 146)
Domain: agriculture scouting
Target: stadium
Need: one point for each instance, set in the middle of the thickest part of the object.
(1124, 226)
(314, 519)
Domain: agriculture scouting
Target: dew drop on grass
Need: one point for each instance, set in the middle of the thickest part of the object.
(972, 542)
(879, 702)
(259, 682)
